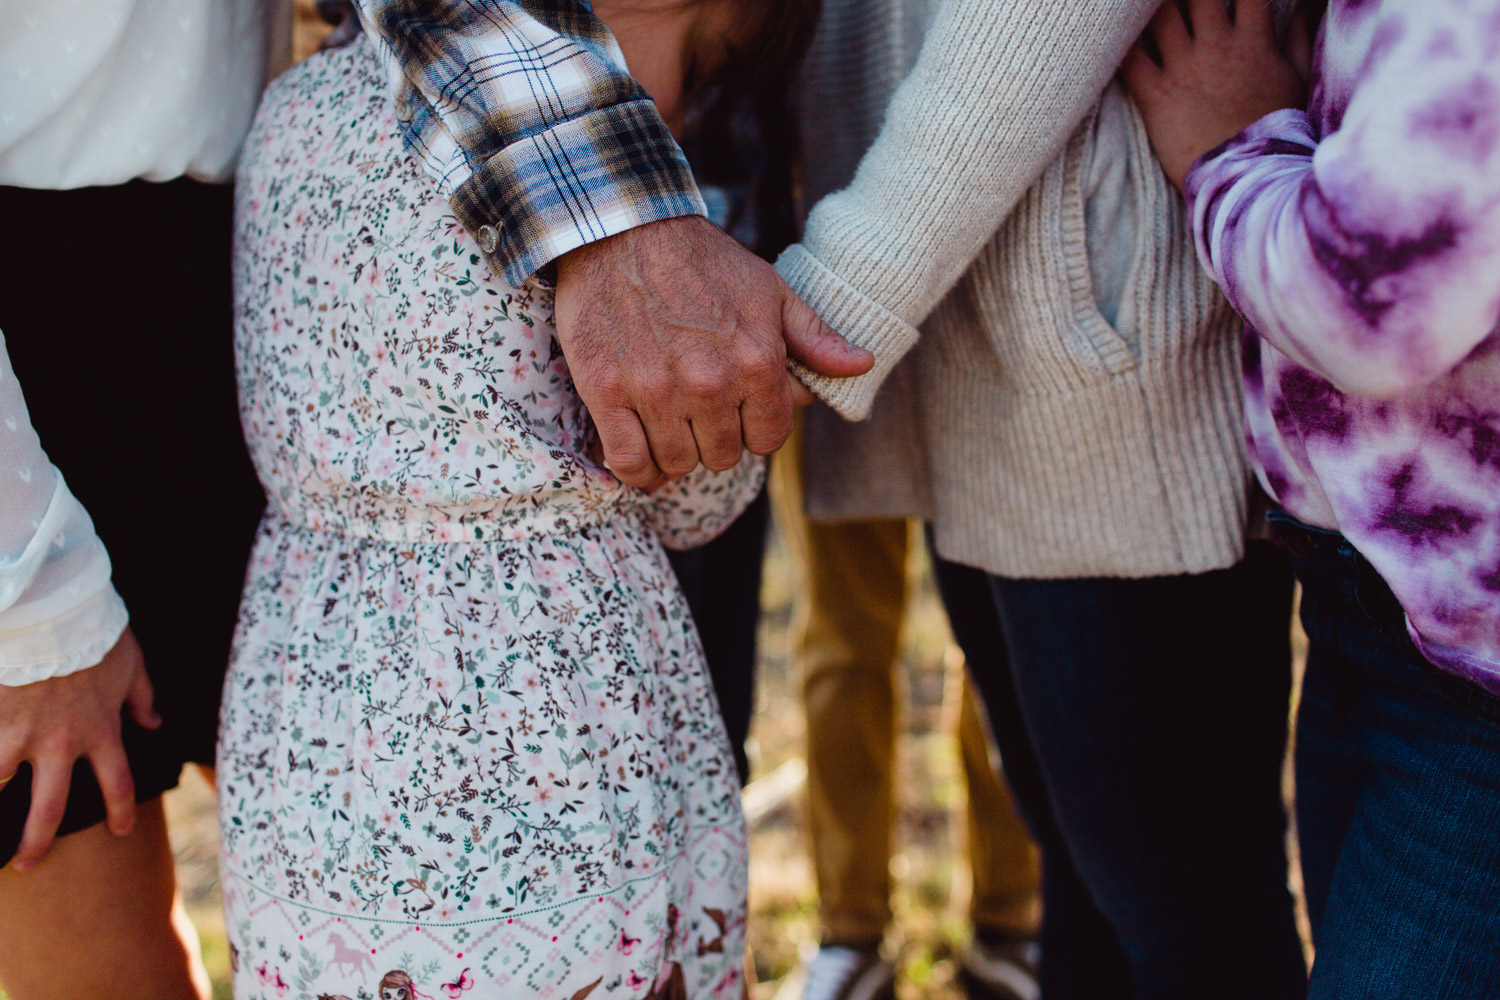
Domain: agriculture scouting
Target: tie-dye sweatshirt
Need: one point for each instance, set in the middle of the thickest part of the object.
(1361, 242)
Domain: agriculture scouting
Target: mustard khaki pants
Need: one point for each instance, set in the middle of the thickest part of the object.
(855, 584)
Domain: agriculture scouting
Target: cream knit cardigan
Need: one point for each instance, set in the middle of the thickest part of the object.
(1040, 440)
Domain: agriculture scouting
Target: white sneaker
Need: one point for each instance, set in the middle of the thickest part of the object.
(1004, 972)
(849, 974)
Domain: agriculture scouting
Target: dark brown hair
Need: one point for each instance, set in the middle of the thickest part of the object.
(741, 130)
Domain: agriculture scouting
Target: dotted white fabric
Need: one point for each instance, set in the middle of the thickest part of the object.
(58, 611)
(97, 92)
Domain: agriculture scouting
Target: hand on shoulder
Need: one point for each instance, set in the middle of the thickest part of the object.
(1219, 71)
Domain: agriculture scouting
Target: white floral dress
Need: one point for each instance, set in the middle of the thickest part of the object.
(468, 743)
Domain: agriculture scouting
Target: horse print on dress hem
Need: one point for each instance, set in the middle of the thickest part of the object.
(398, 985)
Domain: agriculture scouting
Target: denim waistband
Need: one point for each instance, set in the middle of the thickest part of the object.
(1326, 561)
(1339, 579)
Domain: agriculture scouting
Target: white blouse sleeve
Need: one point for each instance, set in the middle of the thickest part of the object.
(59, 613)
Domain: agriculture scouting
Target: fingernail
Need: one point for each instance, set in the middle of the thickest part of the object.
(23, 866)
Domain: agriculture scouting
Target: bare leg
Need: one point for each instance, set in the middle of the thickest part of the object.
(100, 919)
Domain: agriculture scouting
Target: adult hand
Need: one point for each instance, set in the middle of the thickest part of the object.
(53, 723)
(677, 338)
(1218, 75)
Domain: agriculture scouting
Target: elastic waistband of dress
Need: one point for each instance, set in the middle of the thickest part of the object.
(407, 523)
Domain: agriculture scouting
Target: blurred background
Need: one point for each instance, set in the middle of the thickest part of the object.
(927, 864)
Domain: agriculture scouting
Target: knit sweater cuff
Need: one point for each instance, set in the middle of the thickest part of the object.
(861, 319)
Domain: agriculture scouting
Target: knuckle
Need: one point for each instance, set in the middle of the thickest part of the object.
(48, 814)
(677, 457)
(762, 359)
(114, 772)
(614, 435)
(723, 460)
(704, 379)
(606, 385)
(678, 466)
(629, 463)
(639, 480)
(767, 446)
(104, 735)
(61, 745)
(764, 436)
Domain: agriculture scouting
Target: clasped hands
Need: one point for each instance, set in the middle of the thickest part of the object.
(678, 338)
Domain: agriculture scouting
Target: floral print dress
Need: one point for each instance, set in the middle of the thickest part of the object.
(468, 742)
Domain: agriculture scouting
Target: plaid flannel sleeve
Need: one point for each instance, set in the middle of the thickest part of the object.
(523, 113)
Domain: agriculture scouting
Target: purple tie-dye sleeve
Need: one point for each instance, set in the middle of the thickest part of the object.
(1363, 239)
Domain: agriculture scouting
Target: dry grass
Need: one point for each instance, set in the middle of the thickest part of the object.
(930, 878)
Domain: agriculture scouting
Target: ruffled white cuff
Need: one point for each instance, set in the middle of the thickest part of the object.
(76, 639)
(59, 612)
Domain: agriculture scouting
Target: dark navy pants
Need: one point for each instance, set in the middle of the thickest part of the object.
(1398, 795)
(1142, 724)
(722, 583)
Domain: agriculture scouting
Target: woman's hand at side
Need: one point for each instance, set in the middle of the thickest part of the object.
(51, 724)
(1220, 71)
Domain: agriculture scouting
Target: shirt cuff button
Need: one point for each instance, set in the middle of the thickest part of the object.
(489, 238)
(403, 110)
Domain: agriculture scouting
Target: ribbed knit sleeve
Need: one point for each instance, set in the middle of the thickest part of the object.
(996, 91)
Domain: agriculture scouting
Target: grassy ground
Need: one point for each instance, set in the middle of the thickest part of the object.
(930, 875)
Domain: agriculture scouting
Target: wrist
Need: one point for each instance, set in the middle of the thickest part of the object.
(630, 243)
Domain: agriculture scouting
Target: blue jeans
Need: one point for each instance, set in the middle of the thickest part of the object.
(1398, 795)
(1156, 713)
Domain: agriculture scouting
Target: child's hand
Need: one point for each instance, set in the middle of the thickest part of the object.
(52, 724)
(1216, 77)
